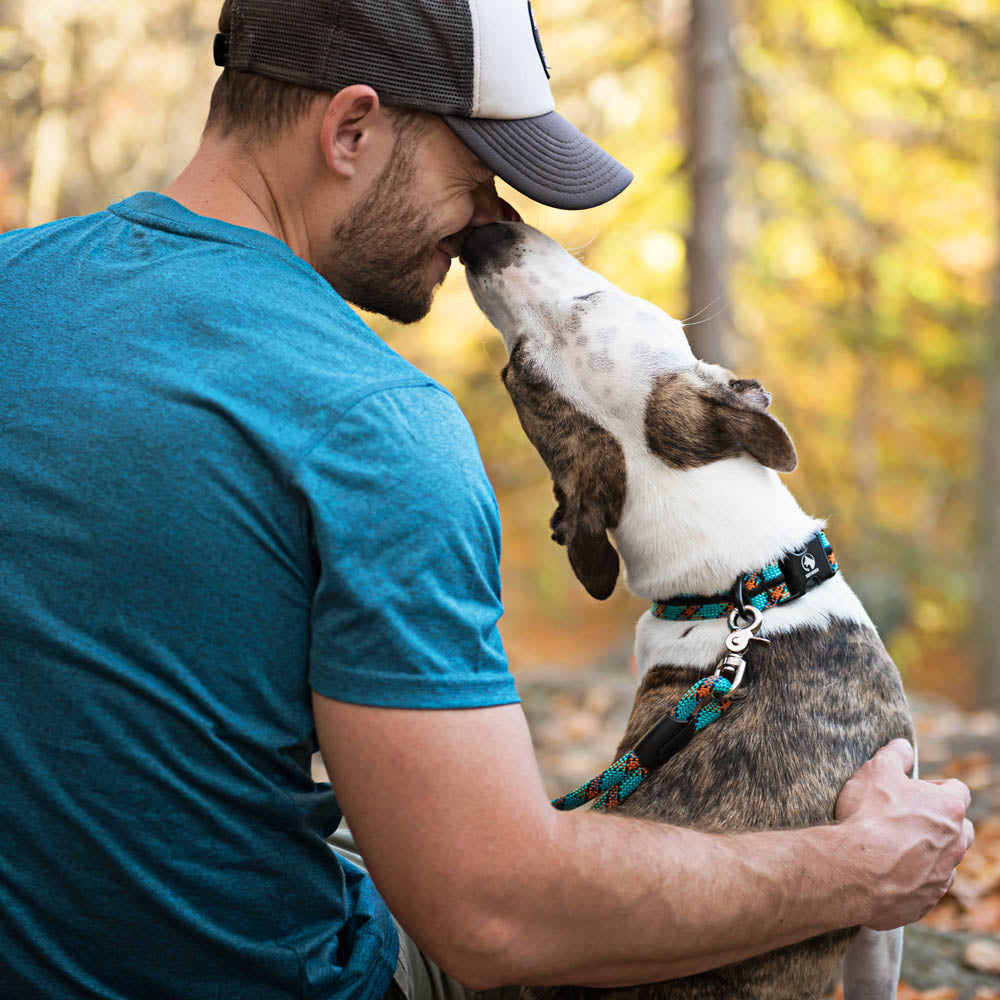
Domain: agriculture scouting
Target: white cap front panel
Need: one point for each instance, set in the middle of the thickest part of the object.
(510, 79)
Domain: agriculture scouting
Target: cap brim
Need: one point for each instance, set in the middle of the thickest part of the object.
(546, 158)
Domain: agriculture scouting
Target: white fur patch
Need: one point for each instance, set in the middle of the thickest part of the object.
(702, 644)
(872, 964)
(694, 531)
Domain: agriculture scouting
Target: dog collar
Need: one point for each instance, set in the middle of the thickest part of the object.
(777, 583)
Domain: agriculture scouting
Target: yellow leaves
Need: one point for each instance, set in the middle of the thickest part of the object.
(790, 249)
(662, 251)
(965, 252)
(973, 9)
(930, 616)
(831, 24)
(619, 107)
(895, 66)
(925, 282)
(930, 71)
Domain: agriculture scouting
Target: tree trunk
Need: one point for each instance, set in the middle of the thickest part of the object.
(712, 103)
(54, 42)
(989, 549)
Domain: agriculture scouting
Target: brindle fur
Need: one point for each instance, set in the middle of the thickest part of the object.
(688, 425)
(812, 708)
(588, 470)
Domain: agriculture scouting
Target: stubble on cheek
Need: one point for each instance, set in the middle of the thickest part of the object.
(381, 255)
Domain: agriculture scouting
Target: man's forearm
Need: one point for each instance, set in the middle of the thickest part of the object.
(450, 814)
(679, 901)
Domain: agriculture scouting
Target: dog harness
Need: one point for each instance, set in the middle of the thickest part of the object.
(707, 699)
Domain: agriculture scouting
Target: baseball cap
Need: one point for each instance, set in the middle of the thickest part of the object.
(479, 64)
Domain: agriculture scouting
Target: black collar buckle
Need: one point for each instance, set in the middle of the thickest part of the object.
(807, 568)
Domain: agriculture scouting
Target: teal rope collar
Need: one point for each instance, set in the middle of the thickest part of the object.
(777, 583)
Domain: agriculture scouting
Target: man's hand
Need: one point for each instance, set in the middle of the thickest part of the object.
(911, 834)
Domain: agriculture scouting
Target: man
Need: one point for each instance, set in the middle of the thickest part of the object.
(233, 519)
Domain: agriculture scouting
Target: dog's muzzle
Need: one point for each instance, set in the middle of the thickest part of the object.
(488, 244)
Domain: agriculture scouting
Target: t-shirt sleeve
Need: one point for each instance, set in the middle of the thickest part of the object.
(407, 535)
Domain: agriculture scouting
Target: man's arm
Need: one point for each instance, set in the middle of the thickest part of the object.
(497, 887)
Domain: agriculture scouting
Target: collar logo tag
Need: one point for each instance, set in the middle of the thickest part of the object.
(538, 41)
(809, 565)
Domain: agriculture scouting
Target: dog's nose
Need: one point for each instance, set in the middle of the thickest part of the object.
(482, 244)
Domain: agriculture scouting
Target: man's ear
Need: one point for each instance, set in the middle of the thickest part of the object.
(742, 408)
(351, 121)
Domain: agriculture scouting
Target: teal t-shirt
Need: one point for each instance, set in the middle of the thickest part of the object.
(219, 489)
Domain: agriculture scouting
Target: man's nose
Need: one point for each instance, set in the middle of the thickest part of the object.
(490, 207)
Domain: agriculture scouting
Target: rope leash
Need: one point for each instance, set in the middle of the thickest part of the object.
(700, 706)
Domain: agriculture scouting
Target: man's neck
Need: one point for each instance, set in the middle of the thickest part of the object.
(224, 181)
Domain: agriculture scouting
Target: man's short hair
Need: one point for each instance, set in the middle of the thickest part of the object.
(258, 109)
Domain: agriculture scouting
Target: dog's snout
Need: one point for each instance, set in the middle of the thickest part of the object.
(486, 243)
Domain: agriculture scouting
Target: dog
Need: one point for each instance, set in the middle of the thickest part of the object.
(677, 461)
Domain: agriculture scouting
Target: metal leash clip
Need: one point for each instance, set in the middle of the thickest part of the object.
(743, 624)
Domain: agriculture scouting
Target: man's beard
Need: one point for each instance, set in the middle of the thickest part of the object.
(381, 253)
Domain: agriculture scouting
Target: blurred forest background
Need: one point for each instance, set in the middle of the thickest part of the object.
(817, 190)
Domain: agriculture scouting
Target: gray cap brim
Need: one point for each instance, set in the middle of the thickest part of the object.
(546, 158)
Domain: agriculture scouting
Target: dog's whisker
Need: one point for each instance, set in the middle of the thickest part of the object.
(584, 246)
(486, 350)
(708, 319)
(702, 309)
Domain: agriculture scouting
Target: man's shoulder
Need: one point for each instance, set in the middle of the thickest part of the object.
(156, 296)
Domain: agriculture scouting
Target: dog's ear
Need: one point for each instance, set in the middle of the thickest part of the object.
(587, 465)
(585, 534)
(558, 520)
(742, 407)
(691, 422)
(582, 530)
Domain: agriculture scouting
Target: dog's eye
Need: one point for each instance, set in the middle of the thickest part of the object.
(583, 298)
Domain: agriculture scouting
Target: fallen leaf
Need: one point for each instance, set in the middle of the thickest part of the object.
(958, 767)
(906, 992)
(984, 915)
(983, 956)
(945, 916)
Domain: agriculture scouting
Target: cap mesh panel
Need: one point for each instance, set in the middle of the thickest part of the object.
(415, 53)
